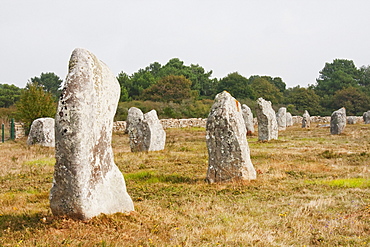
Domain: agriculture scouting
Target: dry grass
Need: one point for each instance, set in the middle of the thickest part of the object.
(312, 189)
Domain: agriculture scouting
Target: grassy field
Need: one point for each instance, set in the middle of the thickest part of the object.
(313, 189)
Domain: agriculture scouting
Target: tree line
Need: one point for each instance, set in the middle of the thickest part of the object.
(178, 90)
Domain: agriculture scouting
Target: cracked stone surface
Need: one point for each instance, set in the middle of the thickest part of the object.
(86, 181)
(228, 150)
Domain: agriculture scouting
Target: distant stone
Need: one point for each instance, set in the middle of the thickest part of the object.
(306, 120)
(281, 118)
(86, 180)
(267, 124)
(42, 132)
(338, 121)
(145, 131)
(351, 120)
(366, 117)
(228, 150)
(289, 119)
(248, 119)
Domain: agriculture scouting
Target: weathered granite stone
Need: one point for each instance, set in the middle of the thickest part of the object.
(289, 119)
(248, 119)
(86, 180)
(42, 132)
(306, 120)
(281, 118)
(351, 120)
(267, 124)
(338, 121)
(366, 117)
(229, 155)
(145, 131)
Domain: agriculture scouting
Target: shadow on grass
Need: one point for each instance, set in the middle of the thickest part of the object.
(152, 177)
(21, 222)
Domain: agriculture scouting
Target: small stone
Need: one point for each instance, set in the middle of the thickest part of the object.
(351, 120)
(338, 121)
(289, 119)
(306, 120)
(267, 124)
(281, 118)
(42, 132)
(228, 150)
(145, 131)
(248, 119)
(366, 117)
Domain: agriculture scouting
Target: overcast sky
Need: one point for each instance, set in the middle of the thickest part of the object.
(291, 39)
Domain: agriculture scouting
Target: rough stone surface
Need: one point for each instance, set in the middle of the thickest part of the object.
(267, 124)
(229, 154)
(281, 118)
(145, 131)
(306, 120)
(338, 121)
(42, 132)
(86, 180)
(248, 119)
(289, 119)
(351, 120)
(366, 117)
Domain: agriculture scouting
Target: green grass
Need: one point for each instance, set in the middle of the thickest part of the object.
(346, 182)
(312, 189)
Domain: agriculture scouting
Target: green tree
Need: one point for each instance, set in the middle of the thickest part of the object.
(237, 85)
(263, 88)
(50, 82)
(300, 99)
(276, 81)
(353, 99)
(9, 95)
(200, 79)
(140, 81)
(124, 82)
(339, 74)
(35, 103)
(169, 88)
(365, 79)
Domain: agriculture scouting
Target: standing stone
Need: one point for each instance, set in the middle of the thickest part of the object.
(267, 124)
(228, 150)
(289, 119)
(86, 180)
(366, 117)
(145, 131)
(306, 120)
(248, 119)
(42, 132)
(281, 118)
(351, 120)
(338, 121)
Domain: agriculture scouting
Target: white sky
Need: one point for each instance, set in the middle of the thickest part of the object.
(291, 39)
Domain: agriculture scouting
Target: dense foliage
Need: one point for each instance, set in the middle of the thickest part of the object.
(178, 90)
(50, 82)
(35, 103)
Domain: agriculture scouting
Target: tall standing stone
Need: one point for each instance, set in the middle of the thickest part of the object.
(86, 180)
(306, 120)
(145, 131)
(281, 118)
(289, 119)
(267, 124)
(248, 119)
(228, 150)
(338, 121)
(366, 117)
(42, 132)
